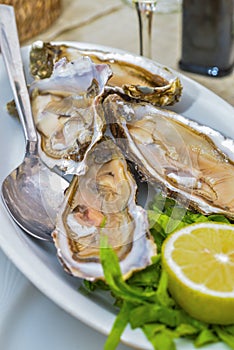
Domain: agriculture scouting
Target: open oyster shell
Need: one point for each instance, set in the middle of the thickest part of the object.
(67, 112)
(133, 76)
(192, 161)
(102, 203)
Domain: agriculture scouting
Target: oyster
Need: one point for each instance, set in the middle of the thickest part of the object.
(102, 203)
(133, 76)
(192, 161)
(67, 113)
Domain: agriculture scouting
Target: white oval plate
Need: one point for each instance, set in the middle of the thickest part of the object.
(37, 260)
(24, 309)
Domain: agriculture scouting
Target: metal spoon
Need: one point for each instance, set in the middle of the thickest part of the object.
(31, 192)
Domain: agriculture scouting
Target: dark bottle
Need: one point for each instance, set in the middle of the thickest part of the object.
(208, 37)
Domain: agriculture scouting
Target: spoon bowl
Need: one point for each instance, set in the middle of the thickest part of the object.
(32, 192)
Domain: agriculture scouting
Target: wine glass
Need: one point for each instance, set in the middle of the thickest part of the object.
(145, 11)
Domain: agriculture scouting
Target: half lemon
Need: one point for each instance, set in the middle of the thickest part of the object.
(199, 260)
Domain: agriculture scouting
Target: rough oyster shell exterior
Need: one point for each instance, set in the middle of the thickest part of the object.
(133, 75)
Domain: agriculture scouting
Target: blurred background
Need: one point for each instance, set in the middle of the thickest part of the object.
(114, 23)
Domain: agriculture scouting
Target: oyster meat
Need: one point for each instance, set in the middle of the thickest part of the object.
(133, 76)
(191, 161)
(67, 112)
(101, 203)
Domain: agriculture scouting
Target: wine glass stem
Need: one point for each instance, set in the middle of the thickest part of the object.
(145, 11)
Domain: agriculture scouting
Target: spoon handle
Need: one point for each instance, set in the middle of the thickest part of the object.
(10, 49)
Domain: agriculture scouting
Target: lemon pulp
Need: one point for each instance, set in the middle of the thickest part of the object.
(199, 260)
